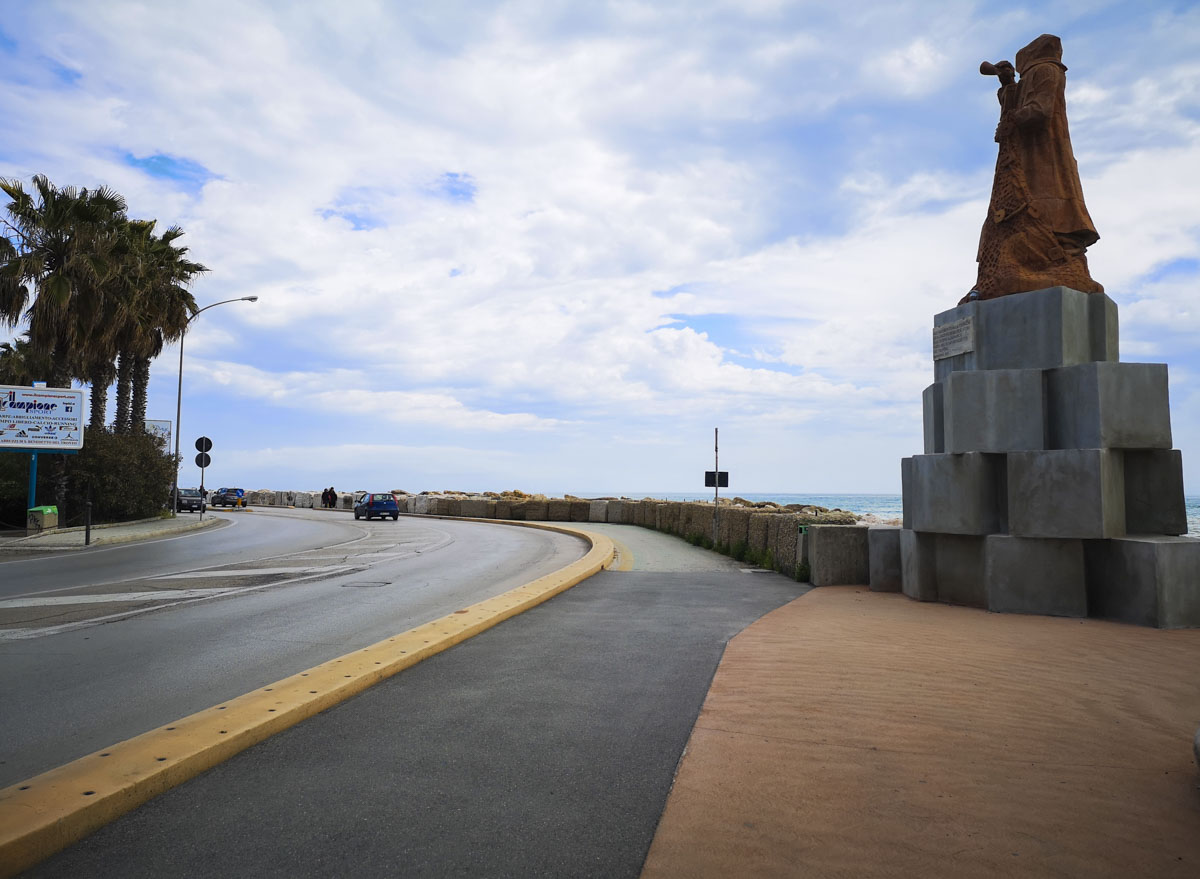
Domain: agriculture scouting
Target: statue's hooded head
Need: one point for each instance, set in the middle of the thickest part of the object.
(1046, 49)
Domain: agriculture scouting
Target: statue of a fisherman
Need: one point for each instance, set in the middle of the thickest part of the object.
(1038, 228)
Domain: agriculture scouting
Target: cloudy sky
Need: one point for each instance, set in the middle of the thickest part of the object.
(552, 245)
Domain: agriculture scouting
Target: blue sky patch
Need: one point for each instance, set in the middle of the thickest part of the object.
(360, 221)
(1174, 268)
(456, 187)
(65, 75)
(7, 43)
(454, 273)
(190, 175)
(735, 337)
(672, 291)
(357, 206)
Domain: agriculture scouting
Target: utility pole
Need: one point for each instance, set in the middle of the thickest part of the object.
(716, 485)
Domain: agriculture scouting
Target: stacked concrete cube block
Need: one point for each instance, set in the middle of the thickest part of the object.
(1048, 483)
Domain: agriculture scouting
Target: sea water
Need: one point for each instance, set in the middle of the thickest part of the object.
(885, 506)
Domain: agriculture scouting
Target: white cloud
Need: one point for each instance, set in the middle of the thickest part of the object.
(807, 181)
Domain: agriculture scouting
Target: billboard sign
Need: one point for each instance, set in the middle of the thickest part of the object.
(41, 419)
(162, 430)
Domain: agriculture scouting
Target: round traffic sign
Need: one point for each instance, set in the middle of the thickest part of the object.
(204, 444)
(202, 460)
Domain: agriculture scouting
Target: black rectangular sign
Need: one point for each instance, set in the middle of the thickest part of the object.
(716, 479)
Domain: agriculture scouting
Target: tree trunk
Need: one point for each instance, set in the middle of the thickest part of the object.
(141, 382)
(100, 379)
(124, 386)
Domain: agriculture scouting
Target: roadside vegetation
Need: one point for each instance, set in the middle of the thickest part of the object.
(95, 296)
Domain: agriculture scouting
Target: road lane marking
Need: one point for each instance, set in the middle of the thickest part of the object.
(159, 595)
(47, 813)
(23, 634)
(210, 573)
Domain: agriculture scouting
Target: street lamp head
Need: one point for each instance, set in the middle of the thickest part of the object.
(250, 298)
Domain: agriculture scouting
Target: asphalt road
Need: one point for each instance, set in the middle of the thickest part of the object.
(247, 536)
(545, 746)
(71, 693)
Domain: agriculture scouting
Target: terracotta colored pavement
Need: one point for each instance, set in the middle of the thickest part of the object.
(852, 733)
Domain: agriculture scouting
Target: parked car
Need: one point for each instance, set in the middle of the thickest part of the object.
(228, 497)
(377, 504)
(189, 501)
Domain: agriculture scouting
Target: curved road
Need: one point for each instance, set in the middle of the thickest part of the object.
(71, 693)
(247, 536)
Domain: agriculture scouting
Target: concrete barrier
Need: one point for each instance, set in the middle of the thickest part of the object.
(756, 534)
(839, 555)
(477, 509)
(883, 549)
(787, 544)
(836, 554)
(734, 526)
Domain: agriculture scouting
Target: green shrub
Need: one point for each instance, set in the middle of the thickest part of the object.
(803, 572)
(129, 476)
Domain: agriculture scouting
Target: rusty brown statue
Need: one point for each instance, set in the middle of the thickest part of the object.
(1038, 228)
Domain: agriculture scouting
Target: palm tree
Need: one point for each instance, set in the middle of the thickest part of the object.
(60, 243)
(160, 308)
(21, 364)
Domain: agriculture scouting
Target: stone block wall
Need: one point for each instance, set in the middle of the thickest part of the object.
(767, 538)
(1048, 483)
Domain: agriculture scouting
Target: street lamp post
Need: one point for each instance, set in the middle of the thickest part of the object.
(179, 395)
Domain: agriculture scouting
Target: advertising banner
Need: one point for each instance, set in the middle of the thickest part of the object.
(41, 419)
(162, 430)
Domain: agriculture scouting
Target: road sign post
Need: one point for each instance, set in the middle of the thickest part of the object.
(203, 447)
(716, 479)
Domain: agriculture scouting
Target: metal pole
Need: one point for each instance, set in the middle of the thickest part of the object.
(87, 531)
(179, 395)
(32, 480)
(178, 429)
(716, 487)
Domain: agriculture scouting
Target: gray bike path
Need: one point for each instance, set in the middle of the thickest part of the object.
(543, 747)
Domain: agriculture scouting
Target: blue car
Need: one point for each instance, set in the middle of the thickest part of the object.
(379, 504)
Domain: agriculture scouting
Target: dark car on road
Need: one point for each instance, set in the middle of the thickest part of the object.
(228, 497)
(377, 504)
(189, 501)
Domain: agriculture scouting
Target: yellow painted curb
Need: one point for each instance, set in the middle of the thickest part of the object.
(45, 814)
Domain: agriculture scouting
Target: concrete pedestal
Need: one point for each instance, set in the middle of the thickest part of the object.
(956, 494)
(1043, 329)
(1066, 493)
(1029, 575)
(918, 565)
(1048, 483)
(1148, 580)
(997, 410)
(883, 547)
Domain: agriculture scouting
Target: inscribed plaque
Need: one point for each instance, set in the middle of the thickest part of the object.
(955, 338)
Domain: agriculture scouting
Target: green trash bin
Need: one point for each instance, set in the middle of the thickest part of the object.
(42, 518)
